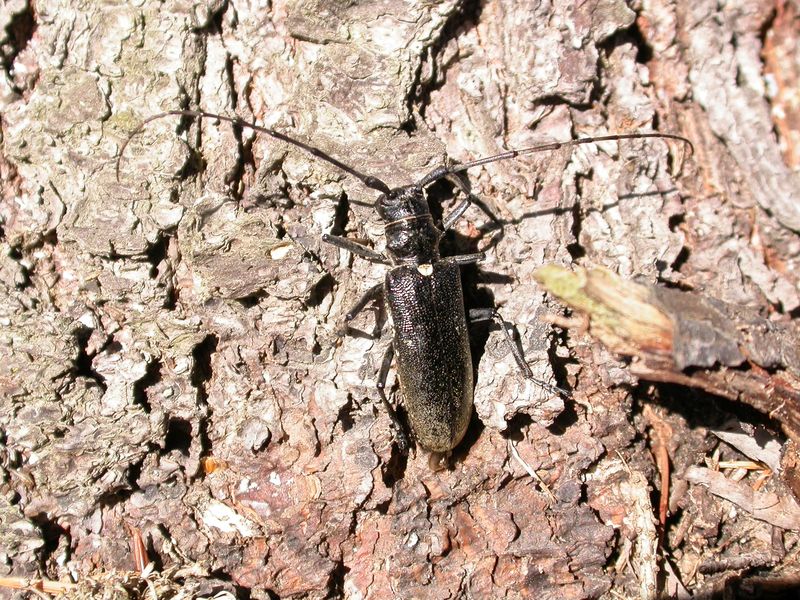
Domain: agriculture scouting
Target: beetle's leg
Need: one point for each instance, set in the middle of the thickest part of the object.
(371, 295)
(435, 175)
(477, 315)
(457, 180)
(383, 375)
(455, 215)
(462, 207)
(355, 248)
(467, 259)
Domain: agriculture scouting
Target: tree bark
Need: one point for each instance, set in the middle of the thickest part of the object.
(172, 353)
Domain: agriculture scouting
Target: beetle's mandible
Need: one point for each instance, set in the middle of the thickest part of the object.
(422, 290)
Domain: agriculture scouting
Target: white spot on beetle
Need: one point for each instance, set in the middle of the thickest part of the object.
(426, 270)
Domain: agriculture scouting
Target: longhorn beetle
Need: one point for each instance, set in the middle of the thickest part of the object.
(422, 290)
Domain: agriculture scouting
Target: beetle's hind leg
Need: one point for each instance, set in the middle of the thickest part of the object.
(476, 315)
(383, 375)
(372, 295)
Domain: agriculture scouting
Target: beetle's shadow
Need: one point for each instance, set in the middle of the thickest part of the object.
(474, 431)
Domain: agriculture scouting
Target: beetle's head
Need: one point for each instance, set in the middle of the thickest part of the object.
(402, 203)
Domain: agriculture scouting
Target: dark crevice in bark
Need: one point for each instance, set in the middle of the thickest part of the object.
(320, 291)
(203, 354)
(244, 147)
(632, 35)
(83, 363)
(675, 221)
(704, 410)
(559, 363)
(476, 297)
(252, 300)
(341, 217)
(680, 260)
(553, 100)
(170, 297)
(565, 419)
(392, 472)
(23, 281)
(51, 533)
(245, 593)
(19, 32)
(123, 492)
(576, 251)
(132, 476)
(151, 377)
(402, 417)
(598, 88)
(156, 253)
(463, 18)
(516, 426)
(213, 24)
(153, 555)
(766, 27)
(178, 436)
(202, 373)
(644, 51)
(14, 253)
(438, 193)
(226, 584)
(474, 431)
(195, 166)
(345, 416)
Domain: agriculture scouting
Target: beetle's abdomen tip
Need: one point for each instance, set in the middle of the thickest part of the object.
(443, 442)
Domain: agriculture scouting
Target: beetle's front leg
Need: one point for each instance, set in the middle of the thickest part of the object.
(461, 208)
(457, 180)
(355, 248)
(467, 259)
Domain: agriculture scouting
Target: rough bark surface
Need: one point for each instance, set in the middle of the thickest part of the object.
(173, 374)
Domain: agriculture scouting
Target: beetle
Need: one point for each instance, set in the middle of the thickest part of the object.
(421, 290)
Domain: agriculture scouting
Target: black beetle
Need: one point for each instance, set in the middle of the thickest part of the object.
(422, 290)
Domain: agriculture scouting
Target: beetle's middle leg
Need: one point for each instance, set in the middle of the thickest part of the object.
(477, 315)
(371, 295)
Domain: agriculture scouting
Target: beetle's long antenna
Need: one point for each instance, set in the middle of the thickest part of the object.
(367, 180)
(557, 145)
